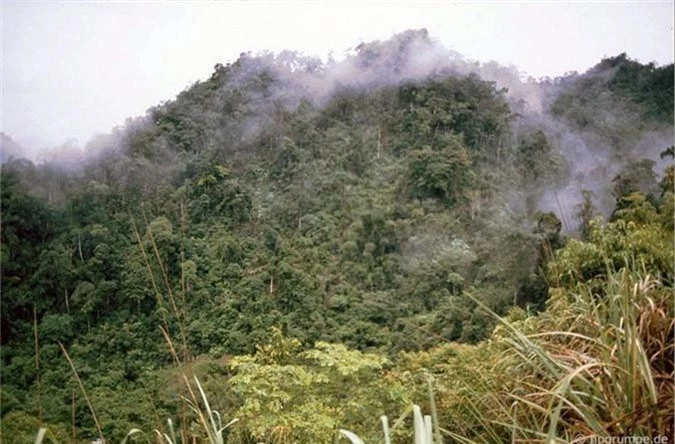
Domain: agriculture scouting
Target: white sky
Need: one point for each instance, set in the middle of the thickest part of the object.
(70, 69)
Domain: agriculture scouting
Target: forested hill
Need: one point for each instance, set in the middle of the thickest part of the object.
(356, 202)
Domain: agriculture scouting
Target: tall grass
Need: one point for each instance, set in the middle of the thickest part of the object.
(209, 421)
(422, 429)
(590, 366)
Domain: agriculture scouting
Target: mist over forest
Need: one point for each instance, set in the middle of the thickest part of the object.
(323, 242)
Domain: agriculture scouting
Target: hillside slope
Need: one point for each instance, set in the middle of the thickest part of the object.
(353, 202)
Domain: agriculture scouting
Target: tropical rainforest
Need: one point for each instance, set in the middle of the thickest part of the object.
(294, 249)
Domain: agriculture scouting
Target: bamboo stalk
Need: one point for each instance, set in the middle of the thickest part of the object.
(158, 295)
(37, 362)
(72, 418)
(84, 392)
(165, 275)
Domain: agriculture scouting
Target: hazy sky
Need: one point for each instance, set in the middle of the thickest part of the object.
(70, 69)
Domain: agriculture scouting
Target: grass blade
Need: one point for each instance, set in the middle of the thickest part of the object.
(351, 436)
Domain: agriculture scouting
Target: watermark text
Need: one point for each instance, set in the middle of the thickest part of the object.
(629, 440)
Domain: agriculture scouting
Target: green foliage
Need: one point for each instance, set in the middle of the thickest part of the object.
(594, 364)
(648, 85)
(443, 175)
(18, 427)
(617, 98)
(290, 395)
(539, 164)
(638, 237)
(216, 194)
(637, 176)
(358, 224)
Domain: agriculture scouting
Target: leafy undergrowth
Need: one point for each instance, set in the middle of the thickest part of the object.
(588, 367)
(598, 362)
